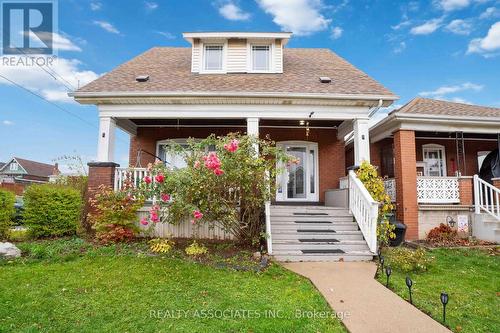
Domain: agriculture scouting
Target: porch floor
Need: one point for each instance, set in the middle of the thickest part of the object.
(365, 304)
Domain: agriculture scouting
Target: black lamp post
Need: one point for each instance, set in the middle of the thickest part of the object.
(388, 272)
(409, 283)
(382, 260)
(444, 300)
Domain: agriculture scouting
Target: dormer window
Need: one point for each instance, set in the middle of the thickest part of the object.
(261, 58)
(214, 57)
(14, 166)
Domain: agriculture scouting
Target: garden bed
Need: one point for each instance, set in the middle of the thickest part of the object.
(74, 286)
(469, 276)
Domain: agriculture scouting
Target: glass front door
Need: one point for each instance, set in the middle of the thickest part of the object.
(299, 180)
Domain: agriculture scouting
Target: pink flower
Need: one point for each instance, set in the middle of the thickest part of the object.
(160, 178)
(197, 214)
(197, 164)
(165, 197)
(147, 180)
(232, 146)
(144, 221)
(154, 217)
(218, 172)
(212, 161)
(193, 221)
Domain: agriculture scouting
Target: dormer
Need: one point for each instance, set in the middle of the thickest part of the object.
(237, 52)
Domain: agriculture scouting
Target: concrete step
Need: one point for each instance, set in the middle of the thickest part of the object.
(294, 256)
(308, 218)
(345, 246)
(340, 235)
(317, 227)
(307, 208)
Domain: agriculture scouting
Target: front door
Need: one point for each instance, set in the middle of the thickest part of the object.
(299, 181)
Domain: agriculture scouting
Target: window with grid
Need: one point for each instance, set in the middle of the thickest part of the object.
(213, 57)
(260, 57)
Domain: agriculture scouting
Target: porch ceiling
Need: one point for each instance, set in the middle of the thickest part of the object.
(452, 135)
(231, 122)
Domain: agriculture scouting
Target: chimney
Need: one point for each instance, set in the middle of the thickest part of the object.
(56, 170)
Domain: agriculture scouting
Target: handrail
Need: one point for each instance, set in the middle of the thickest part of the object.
(486, 198)
(129, 176)
(267, 208)
(365, 210)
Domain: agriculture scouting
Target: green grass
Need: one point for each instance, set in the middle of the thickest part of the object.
(71, 286)
(471, 278)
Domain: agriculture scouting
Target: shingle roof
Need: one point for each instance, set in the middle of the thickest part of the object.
(428, 106)
(169, 70)
(36, 168)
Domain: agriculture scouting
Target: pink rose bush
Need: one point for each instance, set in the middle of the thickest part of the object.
(226, 186)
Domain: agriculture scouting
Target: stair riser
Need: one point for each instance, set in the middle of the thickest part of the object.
(295, 236)
(309, 208)
(292, 218)
(320, 227)
(297, 258)
(312, 246)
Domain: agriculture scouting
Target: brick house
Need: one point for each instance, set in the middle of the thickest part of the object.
(306, 100)
(19, 172)
(429, 152)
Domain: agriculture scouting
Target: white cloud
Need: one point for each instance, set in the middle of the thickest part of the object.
(7, 122)
(441, 92)
(302, 17)
(231, 11)
(166, 34)
(450, 5)
(400, 47)
(427, 28)
(336, 32)
(107, 26)
(404, 23)
(488, 44)
(63, 43)
(150, 5)
(95, 5)
(36, 79)
(459, 100)
(459, 27)
(490, 12)
(382, 113)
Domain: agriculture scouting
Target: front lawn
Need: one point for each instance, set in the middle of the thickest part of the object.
(116, 289)
(471, 278)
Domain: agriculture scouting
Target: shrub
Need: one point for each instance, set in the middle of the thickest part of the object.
(51, 210)
(226, 187)
(18, 235)
(7, 200)
(196, 249)
(440, 234)
(113, 215)
(408, 260)
(161, 245)
(368, 175)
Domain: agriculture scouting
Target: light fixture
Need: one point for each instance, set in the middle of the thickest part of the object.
(388, 272)
(450, 221)
(302, 122)
(444, 301)
(409, 284)
(382, 260)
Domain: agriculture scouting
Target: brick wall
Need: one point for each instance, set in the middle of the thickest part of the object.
(466, 188)
(496, 182)
(15, 188)
(101, 173)
(406, 181)
(331, 157)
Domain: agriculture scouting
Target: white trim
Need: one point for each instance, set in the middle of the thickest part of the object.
(8, 163)
(243, 35)
(283, 196)
(106, 139)
(203, 70)
(430, 147)
(250, 45)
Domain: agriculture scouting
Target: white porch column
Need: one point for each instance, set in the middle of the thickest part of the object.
(253, 129)
(106, 141)
(361, 141)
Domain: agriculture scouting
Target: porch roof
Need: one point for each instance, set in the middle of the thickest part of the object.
(428, 115)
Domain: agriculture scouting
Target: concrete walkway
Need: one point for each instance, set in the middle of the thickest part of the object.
(367, 306)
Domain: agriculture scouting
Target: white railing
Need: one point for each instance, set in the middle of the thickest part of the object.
(364, 209)
(267, 211)
(129, 177)
(438, 190)
(390, 188)
(344, 182)
(486, 198)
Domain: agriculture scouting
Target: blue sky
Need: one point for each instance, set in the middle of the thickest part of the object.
(447, 49)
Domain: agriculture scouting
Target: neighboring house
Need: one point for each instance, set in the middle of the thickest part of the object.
(22, 171)
(429, 152)
(248, 82)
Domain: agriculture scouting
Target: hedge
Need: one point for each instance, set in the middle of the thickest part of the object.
(52, 210)
(7, 201)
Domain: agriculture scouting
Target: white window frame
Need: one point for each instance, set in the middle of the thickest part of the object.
(14, 166)
(223, 70)
(250, 46)
(434, 147)
(182, 141)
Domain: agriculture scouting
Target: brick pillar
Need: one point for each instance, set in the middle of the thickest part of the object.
(375, 155)
(466, 188)
(405, 172)
(496, 182)
(101, 173)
